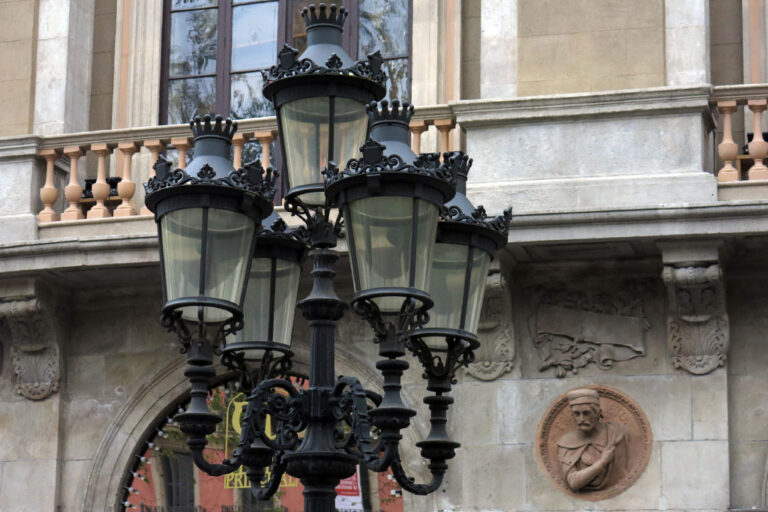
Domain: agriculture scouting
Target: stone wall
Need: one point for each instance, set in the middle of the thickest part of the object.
(18, 33)
(589, 45)
(748, 389)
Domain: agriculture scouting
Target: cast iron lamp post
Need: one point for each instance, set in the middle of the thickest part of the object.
(390, 201)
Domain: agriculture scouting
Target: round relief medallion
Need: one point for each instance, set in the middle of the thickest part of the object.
(593, 442)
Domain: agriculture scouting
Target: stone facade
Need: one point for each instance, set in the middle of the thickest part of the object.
(627, 265)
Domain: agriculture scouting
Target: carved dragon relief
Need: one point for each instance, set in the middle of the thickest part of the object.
(35, 356)
(697, 321)
(496, 353)
(572, 329)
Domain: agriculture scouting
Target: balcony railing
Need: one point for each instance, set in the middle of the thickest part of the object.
(103, 196)
(743, 158)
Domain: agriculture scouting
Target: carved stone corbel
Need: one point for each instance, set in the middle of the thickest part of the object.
(496, 353)
(35, 355)
(697, 321)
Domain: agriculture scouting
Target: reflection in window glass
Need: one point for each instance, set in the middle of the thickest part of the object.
(247, 99)
(397, 79)
(254, 36)
(383, 26)
(193, 43)
(189, 97)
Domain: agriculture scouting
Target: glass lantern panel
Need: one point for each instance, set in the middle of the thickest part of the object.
(350, 126)
(230, 237)
(446, 285)
(305, 138)
(382, 228)
(481, 261)
(182, 235)
(305, 128)
(257, 301)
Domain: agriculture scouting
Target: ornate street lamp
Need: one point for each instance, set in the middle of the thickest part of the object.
(262, 348)
(390, 200)
(466, 241)
(320, 98)
(207, 216)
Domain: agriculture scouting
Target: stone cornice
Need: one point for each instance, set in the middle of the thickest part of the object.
(656, 100)
(673, 222)
(707, 221)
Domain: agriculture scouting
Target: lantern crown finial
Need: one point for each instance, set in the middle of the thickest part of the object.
(382, 112)
(324, 15)
(222, 128)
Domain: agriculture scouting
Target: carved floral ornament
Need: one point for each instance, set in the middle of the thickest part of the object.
(697, 321)
(35, 356)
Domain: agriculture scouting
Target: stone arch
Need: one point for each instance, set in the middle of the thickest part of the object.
(157, 397)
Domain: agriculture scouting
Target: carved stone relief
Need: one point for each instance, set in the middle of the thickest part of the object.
(594, 442)
(496, 354)
(35, 356)
(697, 321)
(572, 329)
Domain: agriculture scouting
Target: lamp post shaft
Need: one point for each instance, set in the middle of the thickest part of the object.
(317, 462)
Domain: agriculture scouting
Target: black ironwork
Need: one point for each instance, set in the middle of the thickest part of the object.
(342, 424)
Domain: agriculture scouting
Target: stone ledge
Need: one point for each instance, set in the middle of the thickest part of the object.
(672, 222)
(658, 100)
(742, 190)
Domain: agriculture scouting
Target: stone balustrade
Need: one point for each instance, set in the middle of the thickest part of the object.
(742, 111)
(98, 199)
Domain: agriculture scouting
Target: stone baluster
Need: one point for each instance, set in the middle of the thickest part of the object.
(238, 141)
(100, 189)
(155, 146)
(126, 188)
(444, 126)
(48, 192)
(182, 144)
(758, 148)
(727, 150)
(417, 128)
(73, 191)
(265, 138)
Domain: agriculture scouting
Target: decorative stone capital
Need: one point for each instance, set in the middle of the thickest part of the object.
(496, 353)
(35, 354)
(697, 322)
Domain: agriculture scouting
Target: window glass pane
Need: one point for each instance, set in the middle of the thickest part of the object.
(189, 97)
(254, 36)
(247, 99)
(397, 79)
(383, 26)
(193, 43)
(186, 4)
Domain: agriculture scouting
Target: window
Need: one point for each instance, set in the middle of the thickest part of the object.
(179, 482)
(214, 50)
